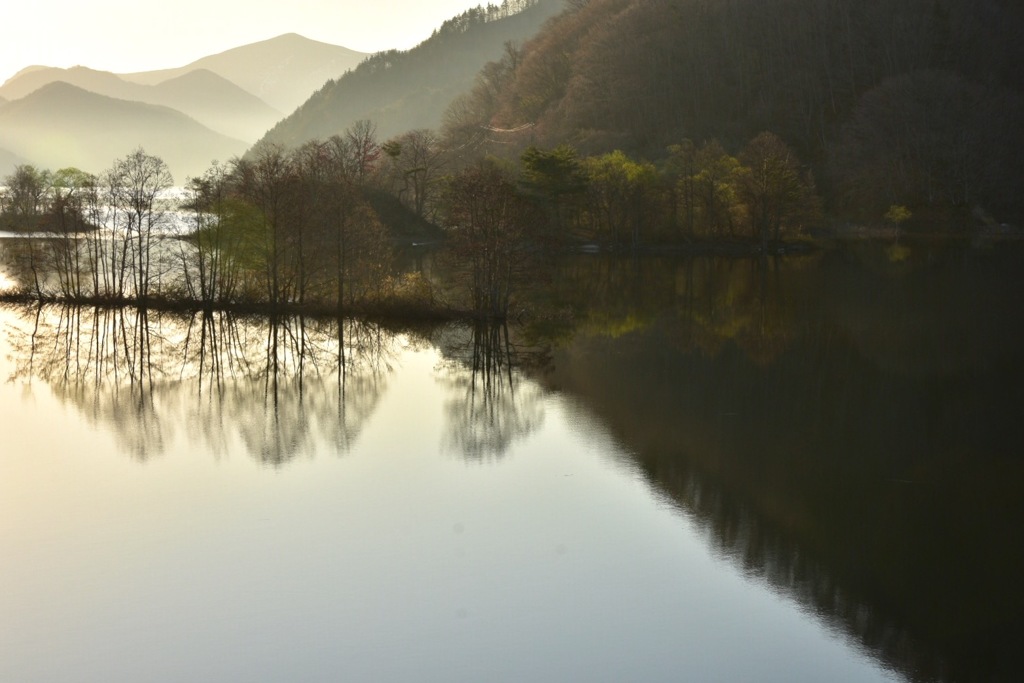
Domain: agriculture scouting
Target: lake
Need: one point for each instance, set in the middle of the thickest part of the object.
(704, 469)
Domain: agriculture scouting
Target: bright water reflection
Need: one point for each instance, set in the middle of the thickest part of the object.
(724, 470)
(143, 537)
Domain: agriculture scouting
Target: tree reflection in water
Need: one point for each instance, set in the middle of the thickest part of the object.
(491, 406)
(77, 351)
(810, 419)
(279, 387)
(217, 377)
(847, 433)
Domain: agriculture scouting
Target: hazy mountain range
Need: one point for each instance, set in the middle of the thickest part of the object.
(213, 108)
(217, 106)
(910, 101)
(402, 90)
(63, 125)
(209, 98)
(283, 71)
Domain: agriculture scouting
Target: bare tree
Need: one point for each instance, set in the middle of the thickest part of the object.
(136, 183)
(489, 225)
(777, 195)
(264, 183)
(416, 161)
(363, 150)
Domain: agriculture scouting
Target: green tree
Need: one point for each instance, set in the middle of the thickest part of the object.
(70, 190)
(26, 197)
(714, 189)
(557, 180)
(621, 192)
(680, 169)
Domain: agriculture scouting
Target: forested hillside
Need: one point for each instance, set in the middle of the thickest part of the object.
(912, 102)
(405, 90)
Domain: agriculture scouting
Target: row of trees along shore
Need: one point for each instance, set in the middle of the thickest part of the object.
(316, 227)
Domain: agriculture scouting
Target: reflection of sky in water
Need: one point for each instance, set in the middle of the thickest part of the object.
(395, 562)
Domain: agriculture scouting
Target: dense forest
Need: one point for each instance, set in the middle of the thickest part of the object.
(910, 102)
(735, 125)
(901, 112)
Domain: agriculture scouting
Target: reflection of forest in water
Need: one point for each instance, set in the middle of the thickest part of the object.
(843, 427)
(490, 405)
(277, 388)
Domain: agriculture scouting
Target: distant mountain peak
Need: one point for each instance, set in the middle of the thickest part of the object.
(293, 36)
(61, 124)
(59, 88)
(64, 94)
(190, 115)
(402, 90)
(26, 70)
(283, 71)
(29, 80)
(297, 38)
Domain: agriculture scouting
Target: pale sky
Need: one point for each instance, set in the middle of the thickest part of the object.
(139, 35)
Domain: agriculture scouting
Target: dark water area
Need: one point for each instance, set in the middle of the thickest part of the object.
(845, 427)
(803, 468)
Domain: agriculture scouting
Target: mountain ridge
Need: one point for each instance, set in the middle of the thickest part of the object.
(402, 90)
(290, 68)
(63, 125)
(189, 115)
(211, 99)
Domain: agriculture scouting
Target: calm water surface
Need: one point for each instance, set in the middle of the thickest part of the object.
(713, 471)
